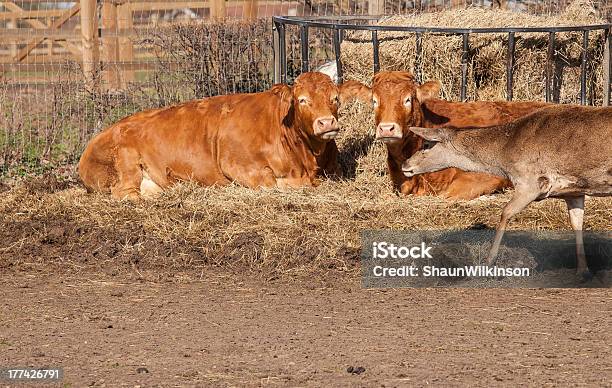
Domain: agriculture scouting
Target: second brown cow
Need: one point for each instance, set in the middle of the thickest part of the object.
(400, 102)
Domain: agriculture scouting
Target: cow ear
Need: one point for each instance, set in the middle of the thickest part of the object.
(428, 90)
(434, 134)
(350, 90)
(285, 95)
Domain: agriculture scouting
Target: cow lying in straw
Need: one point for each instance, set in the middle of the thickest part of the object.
(400, 102)
(282, 137)
(557, 152)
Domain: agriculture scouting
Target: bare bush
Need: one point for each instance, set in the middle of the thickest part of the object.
(212, 58)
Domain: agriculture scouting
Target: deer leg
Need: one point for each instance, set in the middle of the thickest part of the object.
(519, 201)
(575, 208)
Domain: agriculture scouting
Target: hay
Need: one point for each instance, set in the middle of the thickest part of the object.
(301, 232)
(441, 57)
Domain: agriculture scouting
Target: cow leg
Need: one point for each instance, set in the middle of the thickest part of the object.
(466, 186)
(519, 201)
(129, 172)
(575, 208)
(295, 183)
(255, 178)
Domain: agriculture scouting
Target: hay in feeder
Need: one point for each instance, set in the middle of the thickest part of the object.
(364, 159)
(441, 54)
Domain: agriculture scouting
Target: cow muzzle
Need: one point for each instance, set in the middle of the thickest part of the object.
(388, 132)
(326, 127)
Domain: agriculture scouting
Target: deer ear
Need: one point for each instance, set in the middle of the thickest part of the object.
(428, 90)
(434, 134)
(350, 90)
(285, 96)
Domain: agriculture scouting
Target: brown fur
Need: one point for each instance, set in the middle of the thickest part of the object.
(561, 151)
(426, 111)
(257, 140)
(564, 142)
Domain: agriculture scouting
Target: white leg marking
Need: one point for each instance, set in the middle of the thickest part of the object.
(575, 208)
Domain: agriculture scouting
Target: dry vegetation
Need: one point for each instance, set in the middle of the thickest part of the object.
(212, 58)
(48, 224)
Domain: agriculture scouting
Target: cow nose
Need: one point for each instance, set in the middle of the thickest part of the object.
(385, 130)
(326, 124)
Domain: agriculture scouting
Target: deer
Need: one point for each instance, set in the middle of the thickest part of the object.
(561, 151)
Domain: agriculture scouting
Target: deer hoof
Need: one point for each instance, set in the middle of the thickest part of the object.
(586, 275)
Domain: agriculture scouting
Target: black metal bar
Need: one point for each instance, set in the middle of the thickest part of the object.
(346, 22)
(336, 38)
(607, 66)
(510, 66)
(312, 21)
(550, 67)
(305, 47)
(418, 58)
(282, 52)
(464, 66)
(275, 52)
(583, 68)
(375, 51)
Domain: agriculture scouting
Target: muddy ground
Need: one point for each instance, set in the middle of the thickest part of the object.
(235, 288)
(228, 330)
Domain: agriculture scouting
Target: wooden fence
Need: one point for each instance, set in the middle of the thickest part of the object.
(102, 35)
(105, 34)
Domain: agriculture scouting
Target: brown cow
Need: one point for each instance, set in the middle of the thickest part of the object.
(282, 137)
(562, 151)
(400, 102)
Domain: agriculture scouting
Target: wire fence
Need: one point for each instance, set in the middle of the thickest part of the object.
(69, 69)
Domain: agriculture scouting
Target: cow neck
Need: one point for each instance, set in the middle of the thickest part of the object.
(298, 143)
(315, 145)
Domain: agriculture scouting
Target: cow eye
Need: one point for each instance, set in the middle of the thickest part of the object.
(335, 100)
(303, 100)
(375, 102)
(428, 144)
(407, 100)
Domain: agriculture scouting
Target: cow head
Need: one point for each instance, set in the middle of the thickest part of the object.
(313, 102)
(396, 98)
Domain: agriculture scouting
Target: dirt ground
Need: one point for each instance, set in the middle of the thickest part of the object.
(230, 287)
(230, 330)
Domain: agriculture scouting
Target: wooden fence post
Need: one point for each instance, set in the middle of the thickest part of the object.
(89, 38)
(110, 46)
(12, 24)
(217, 9)
(126, 46)
(249, 10)
(376, 7)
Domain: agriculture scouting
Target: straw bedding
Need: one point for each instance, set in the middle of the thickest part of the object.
(269, 232)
